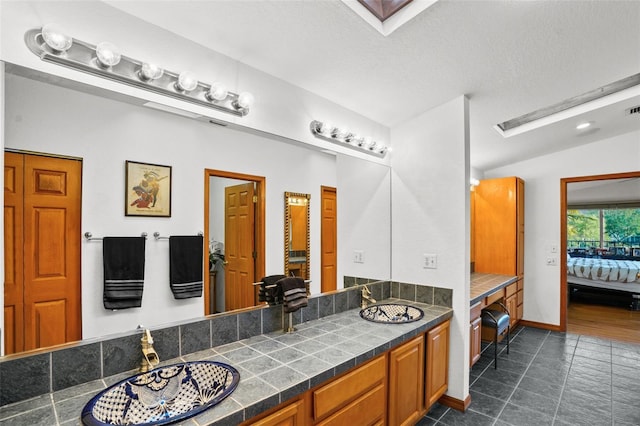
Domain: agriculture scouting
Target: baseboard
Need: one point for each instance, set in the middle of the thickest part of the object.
(456, 404)
(541, 325)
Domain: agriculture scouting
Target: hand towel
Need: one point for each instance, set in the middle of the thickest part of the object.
(185, 266)
(294, 293)
(269, 291)
(123, 261)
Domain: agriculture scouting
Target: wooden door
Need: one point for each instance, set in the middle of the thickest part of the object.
(50, 250)
(406, 382)
(437, 363)
(239, 246)
(329, 239)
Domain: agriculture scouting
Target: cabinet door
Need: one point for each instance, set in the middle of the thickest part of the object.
(291, 415)
(437, 363)
(476, 340)
(406, 381)
(512, 307)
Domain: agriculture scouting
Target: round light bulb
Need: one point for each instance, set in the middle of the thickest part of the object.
(108, 54)
(366, 141)
(383, 150)
(186, 82)
(150, 71)
(326, 128)
(217, 92)
(55, 38)
(245, 100)
(583, 125)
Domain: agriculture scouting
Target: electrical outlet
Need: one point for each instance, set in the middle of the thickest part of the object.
(430, 261)
(358, 256)
(552, 261)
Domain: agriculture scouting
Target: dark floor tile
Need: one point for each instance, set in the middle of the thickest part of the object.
(625, 396)
(427, 421)
(592, 387)
(513, 355)
(546, 374)
(541, 387)
(593, 363)
(521, 416)
(587, 402)
(486, 404)
(625, 361)
(501, 375)
(592, 355)
(626, 413)
(596, 340)
(629, 384)
(626, 372)
(470, 417)
(534, 401)
(525, 346)
(589, 376)
(571, 414)
(437, 410)
(557, 365)
(589, 346)
(492, 388)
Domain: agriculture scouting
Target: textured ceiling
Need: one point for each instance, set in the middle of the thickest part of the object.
(508, 57)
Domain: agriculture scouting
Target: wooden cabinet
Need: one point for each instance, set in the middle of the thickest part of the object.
(475, 333)
(498, 232)
(437, 363)
(406, 382)
(290, 415)
(359, 397)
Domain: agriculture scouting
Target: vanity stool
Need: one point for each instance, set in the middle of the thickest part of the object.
(500, 321)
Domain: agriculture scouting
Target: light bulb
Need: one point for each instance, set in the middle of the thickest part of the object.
(186, 82)
(217, 92)
(338, 133)
(365, 142)
(583, 125)
(373, 145)
(326, 128)
(383, 150)
(55, 38)
(150, 71)
(108, 54)
(245, 100)
(352, 137)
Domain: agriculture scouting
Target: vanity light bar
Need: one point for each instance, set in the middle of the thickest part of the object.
(104, 60)
(328, 132)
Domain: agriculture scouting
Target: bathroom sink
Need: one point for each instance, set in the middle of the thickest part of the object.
(162, 396)
(392, 313)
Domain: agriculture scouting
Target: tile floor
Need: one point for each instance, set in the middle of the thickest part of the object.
(551, 378)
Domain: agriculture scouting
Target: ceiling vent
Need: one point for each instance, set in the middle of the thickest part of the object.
(633, 110)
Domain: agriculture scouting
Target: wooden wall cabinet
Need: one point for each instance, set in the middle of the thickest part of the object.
(406, 382)
(498, 234)
(437, 363)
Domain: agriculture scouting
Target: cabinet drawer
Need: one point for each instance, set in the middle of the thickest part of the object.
(363, 411)
(520, 283)
(337, 393)
(511, 289)
(492, 298)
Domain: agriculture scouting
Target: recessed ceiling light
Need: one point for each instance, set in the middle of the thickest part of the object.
(583, 125)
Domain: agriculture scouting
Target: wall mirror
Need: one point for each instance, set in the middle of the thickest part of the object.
(296, 235)
(363, 217)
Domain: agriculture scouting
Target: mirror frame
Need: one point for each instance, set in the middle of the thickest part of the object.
(287, 232)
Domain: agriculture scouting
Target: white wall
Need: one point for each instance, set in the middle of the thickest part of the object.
(542, 210)
(430, 214)
(105, 133)
(364, 218)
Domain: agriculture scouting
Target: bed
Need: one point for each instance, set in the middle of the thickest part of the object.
(608, 274)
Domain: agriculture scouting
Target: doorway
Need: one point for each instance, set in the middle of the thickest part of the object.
(234, 227)
(586, 308)
(329, 239)
(42, 206)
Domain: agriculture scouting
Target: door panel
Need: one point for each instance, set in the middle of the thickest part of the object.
(239, 246)
(329, 240)
(13, 254)
(43, 248)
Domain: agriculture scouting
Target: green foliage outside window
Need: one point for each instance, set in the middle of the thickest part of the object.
(621, 227)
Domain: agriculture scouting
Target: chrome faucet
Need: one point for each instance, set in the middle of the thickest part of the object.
(149, 355)
(366, 297)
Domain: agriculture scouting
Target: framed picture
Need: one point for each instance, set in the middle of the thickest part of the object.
(148, 190)
(636, 252)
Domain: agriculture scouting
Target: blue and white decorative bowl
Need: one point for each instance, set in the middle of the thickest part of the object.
(163, 395)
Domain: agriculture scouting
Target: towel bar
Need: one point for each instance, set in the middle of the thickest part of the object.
(157, 235)
(89, 236)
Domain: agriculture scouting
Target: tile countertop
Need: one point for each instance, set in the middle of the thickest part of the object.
(483, 285)
(273, 367)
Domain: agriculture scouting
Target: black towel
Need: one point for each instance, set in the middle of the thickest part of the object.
(273, 294)
(185, 266)
(294, 293)
(123, 260)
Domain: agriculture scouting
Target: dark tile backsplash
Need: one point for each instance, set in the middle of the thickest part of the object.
(28, 376)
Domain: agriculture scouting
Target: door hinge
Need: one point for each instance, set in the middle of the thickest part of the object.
(255, 198)
(255, 254)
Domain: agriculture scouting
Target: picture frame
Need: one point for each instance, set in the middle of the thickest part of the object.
(147, 189)
(636, 252)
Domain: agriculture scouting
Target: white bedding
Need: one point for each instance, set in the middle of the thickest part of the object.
(604, 270)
